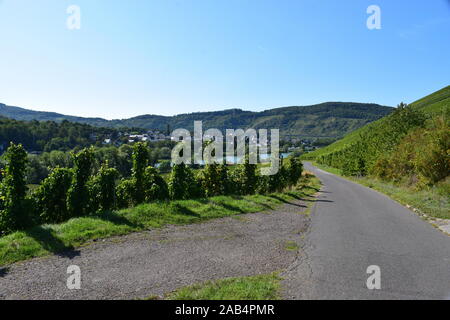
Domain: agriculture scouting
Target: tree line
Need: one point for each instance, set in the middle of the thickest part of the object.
(84, 190)
(50, 135)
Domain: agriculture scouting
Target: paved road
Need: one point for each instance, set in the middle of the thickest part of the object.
(354, 227)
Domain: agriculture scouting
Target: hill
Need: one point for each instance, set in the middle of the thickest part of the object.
(47, 135)
(435, 102)
(331, 119)
(413, 141)
(430, 105)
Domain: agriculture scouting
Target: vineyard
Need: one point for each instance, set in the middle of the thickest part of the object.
(83, 191)
(410, 146)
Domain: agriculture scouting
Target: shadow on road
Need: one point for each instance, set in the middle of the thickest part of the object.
(316, 200)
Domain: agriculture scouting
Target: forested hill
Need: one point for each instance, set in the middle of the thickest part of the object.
(331, 119)
(49, 135)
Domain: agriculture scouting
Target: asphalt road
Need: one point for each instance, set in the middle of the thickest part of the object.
(354, 227)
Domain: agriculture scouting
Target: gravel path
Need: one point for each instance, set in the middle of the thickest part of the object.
(159, 261)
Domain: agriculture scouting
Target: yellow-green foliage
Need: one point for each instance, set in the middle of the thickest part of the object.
(422, 156)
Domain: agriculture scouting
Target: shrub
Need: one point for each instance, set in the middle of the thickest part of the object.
(280, 181)
(433, 159)
(355, 166)
(51, 196)
(140, 162)
(273, 183)
(16, 211)
(294, 168)
(211, 180)
(103, 189)
(78, 195)
(223, 174)
(155, 187)
(125, 193)
(246, 178)
(424, 154)
(382, 168)
(182, 183)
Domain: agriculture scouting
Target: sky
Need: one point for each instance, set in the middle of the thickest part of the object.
(133, 57)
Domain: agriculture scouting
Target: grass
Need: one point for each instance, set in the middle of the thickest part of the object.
(290, 246)
(429, 201)
(65, 237)
(260, 287)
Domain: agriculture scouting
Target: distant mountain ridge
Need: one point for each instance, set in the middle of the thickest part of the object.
(330, 119)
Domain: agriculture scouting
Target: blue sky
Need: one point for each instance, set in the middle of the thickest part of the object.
(168, 57)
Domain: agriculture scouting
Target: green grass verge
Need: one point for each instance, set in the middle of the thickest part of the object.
(261, 287)
(430, 201)
(56, 238)
(291, 246)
